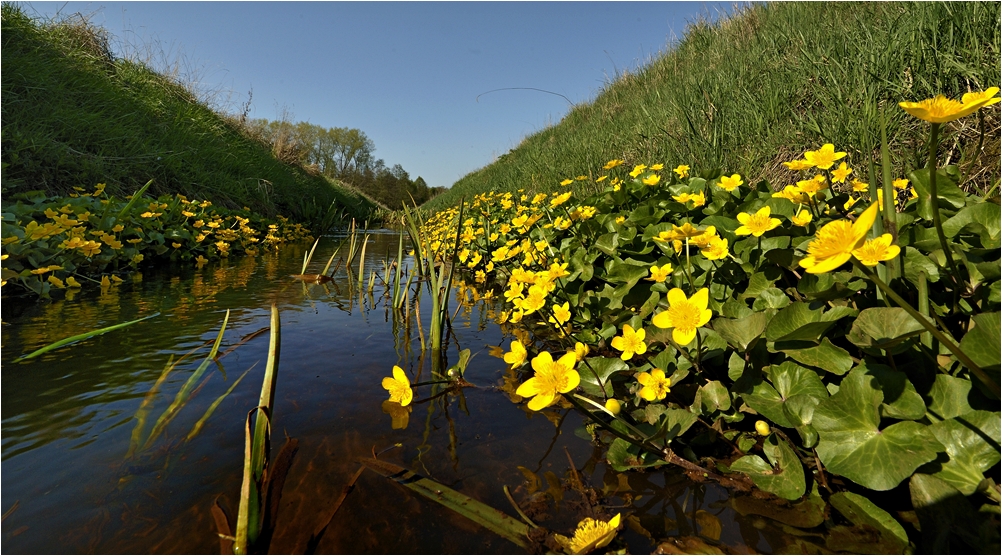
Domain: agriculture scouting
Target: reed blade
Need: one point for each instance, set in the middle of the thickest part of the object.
(309, 257)
(183, 395)
(212, 407)
(135, 198)
(144, 408)
(474, 510)
(79, 337)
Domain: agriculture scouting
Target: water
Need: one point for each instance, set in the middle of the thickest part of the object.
(68, 417)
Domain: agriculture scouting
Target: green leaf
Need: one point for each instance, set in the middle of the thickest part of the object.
(713, 396)
(883, 327)
(800, 321)
(948, 397)
(949, 195)
(676, 422)
(972, 443)
(624, 456)
(604, 367)
(803, 515)
(607, 243)
(825, 356)
(916, 262)
(983, 344)
(861, 511)
(790, 382)
(79, 337)
(983, 218)
(851, 443)
(741, 333)
(771, 298)
(901, 401)
(941, 510)
(787, 481)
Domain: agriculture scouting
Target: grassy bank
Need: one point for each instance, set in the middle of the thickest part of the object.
(768, 84)
(74, 115)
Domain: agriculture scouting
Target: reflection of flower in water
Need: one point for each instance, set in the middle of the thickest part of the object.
(400, 415)
(590, 534)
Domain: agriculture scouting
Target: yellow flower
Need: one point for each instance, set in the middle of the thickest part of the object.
(940, 109)
(105, 282)
(581, 178)
(825, 157)
(535, 299)
(834, 243)
(560, 199)
(517, 356)
(811, 187)
(138, 258)
(118, 228)
(56, 282)
(637, 170)
(730, 183)
(613, 406)
(44, 269)
(399, 387)
(876, 250)
(682, 198)
(900, 184)
(798, 165)
(567, 182)
(620, 219)
(684, 314)
(802, 218)
(630, 342)
(655, 385)
(91, 248)
(682, 170)
(656, 167)
(848, 204)
(589, 535)
(793, 194)
(580, 351)
(756, 224)
(561, 314)
(72, 282)
(762, 428)
(660, 274)
(715, 249)
(841, 173)
(552, 378)
(651, 180)
(859, 187)
(612, 164)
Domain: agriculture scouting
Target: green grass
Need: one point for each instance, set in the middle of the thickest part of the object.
(769, 83)
(74, 115)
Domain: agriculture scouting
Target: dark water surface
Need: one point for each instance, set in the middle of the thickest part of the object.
(68, 417)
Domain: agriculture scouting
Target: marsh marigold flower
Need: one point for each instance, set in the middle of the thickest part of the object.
(567, 182)
(939, 110)
(684, 315)
(631, 342)
(756, 224)
(654, 385)
(798, 165)
(517, 355)
(590, 534)
(877, 250)
(730, 183)
(660, 273)
(715, 249)
(802, 218)
(834, 243)
(612, 164)
(682, 170)
(561, 314)
(552, 378)
(825, 157)
(399, 387)
(841, 173)
(651, 180)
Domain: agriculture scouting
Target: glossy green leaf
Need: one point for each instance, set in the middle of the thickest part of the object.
(948, 397)
(883, 327)
(861, 511)
(789, 382)
(983, 218)
(825, 356)
(741, 333)
(972, 444)
(595, 373)
(771, 298)
(624, 456)
(941, 510)
(983, 344)
(851, 443)
(785, 480)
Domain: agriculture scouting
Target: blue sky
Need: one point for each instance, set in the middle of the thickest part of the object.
(407, 74)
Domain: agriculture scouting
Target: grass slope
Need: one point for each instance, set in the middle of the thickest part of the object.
(769, 83)
(74, 115)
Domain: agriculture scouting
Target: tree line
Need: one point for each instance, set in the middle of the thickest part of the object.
(344, 154)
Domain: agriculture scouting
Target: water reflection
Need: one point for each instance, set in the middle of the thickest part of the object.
(68, 419)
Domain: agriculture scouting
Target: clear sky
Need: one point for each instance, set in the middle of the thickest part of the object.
(407, 74)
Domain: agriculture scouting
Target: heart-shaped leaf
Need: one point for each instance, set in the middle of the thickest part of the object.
(789, 381)
(787, 481)
(972, 442)
(861, 511)
(851, 443)
(596, 370)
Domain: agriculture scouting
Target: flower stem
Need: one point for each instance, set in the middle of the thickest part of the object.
(937, 220)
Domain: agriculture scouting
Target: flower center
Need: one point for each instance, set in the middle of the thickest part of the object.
(685, 315)
(833, 239)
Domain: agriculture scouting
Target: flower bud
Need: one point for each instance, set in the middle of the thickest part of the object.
(762, 428)
(613, 405)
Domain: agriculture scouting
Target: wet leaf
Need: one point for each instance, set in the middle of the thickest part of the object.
(851, 443)
(687, 545)
(709, 525)
(861, 511)
(532, 481)
(474, 510)
(624, 456)
(806, 514)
